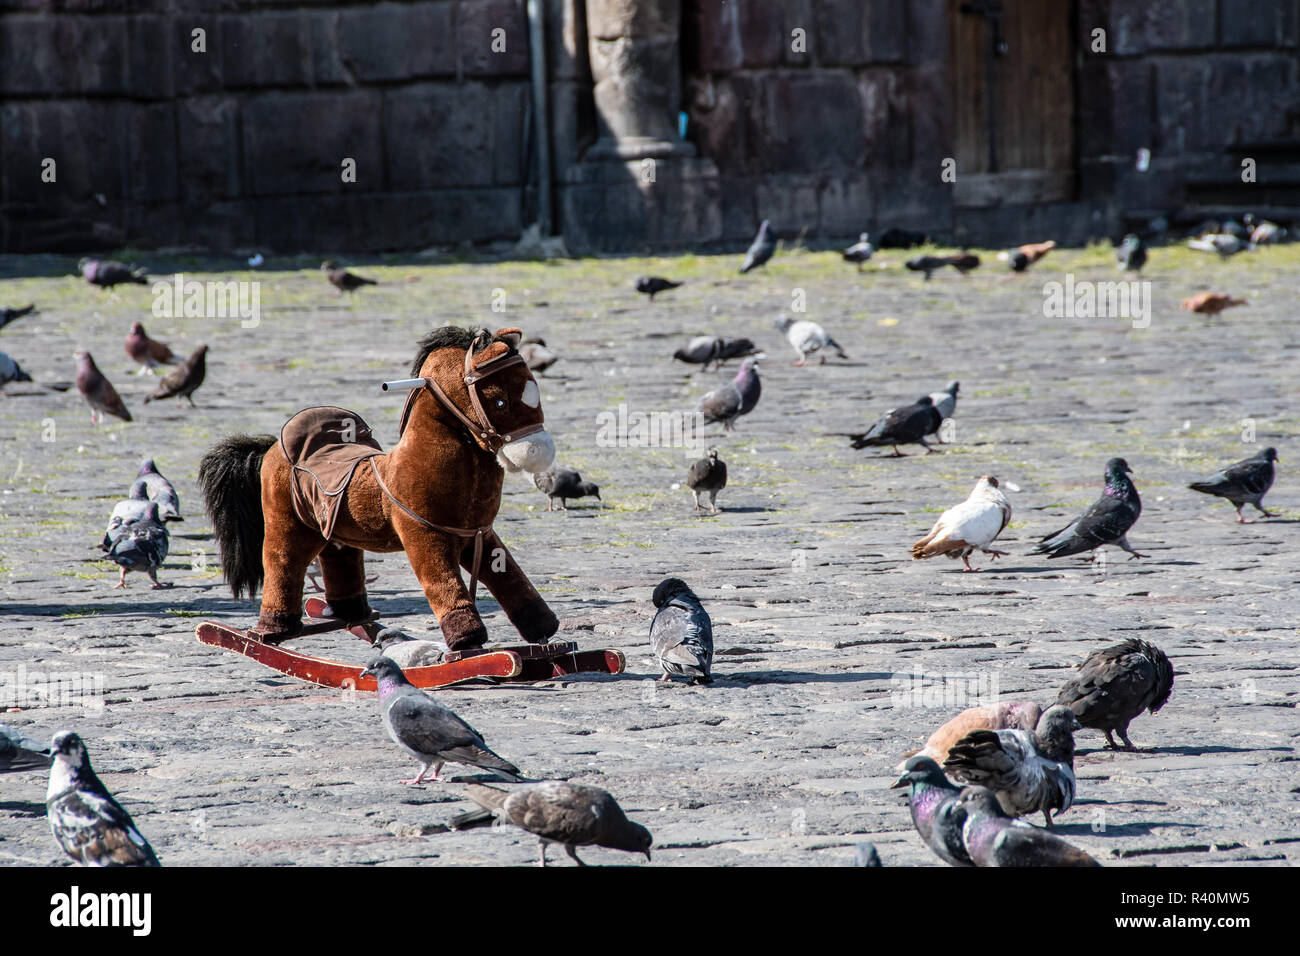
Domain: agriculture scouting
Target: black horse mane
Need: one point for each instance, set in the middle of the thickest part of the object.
(449, 337)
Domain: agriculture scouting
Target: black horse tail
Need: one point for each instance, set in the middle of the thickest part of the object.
(231, 478)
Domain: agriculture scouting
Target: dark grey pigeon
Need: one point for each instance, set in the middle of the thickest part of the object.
(1244, 483)
(21, 753)
(865, 854)
(704, 349)
(89, 824)
(708, 475)
(1107, 520)
(860, 252)
(681, 633)
(11, 371)
(653, 285)
(930, 796)
(183, 382)
(1116, 684)
(141, 545)
(564, 483)
(134, 508)
(945, 403)
(927, 264)
(994, 839)
(341, 279)
(1030, 771)
(902, 426)
(761, 250)
(572, 814)
(1132, 253)
(106, 273)
(963, 262)
(427, 730)
(738, 397)
(159, 490)
(11, 315)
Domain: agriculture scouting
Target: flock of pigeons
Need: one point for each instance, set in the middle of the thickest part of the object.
(1012, 758)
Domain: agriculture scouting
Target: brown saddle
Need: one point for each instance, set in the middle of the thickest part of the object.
(324, 445)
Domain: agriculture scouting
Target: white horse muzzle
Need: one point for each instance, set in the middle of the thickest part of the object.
(534, 453)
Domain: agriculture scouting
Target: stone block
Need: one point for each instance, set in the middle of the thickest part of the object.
(150, 145)
(390, 41)
(296, 142)
(439, 135)
(209, 148)
(810, 121)
(492, 38)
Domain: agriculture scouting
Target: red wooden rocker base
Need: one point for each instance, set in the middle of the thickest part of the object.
(522, 663)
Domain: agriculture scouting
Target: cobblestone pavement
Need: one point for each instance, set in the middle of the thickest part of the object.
(822, 620)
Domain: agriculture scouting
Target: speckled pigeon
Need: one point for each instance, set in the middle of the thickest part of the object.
(994, 839)
(1117, 683)
(98, 391)
(134, 508)
(738, 397)
(572, 814)
(1244, 483)
(1030, 771)
(18, 752)
(427, 730)
(1107, 520)
(564, 483)
(159, 489)
(141, 545)
(89, 824)
(902, 426)
(761, 249)
(681, 634)
(930, 795)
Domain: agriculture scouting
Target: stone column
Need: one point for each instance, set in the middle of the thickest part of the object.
(634, 50)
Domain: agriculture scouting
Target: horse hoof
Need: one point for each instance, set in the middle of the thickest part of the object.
(351, 610)
(536, 622)
(463, 630)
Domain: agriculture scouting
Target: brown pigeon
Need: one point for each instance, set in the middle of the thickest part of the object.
(708, 475)
(1116, 684)
(184, 381)
(1211, 303)
(146, 352)
(1022, 257)
(343, 280)
(98, 391)
(1007, 715)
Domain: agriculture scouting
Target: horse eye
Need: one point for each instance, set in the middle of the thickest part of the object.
(501, 403)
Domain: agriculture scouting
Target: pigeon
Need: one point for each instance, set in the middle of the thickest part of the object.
(807, 337)
(653, 285)
(964, 262)
(716, 349)
(902, 426)
(738, 397)
(1263, 232)
(1022, 257)
(19, 753)
(1006, 715)
(107, 273)
(159, 490)
(184, 381)
(1222, 243)
(865, 854)
(1107, 520)
(761, 249)
(994, 839)
(572, 814)
(1210, 303)
(98, 391)
(1132, 253)
(681, 633)
(1030, 771)
(536, 355)
(1244, 483)
(930, 797)
(895, 238)
(972, 525)
(341, 279)
(146, 352)
(134, 508)
(11, 371)
(708, 474)
(564, 483)
(12, 315)
(427, 730)
(140, 545)
(945, 404)
(89, 824)
(1116, 684)
(860, 252)
(926, 264)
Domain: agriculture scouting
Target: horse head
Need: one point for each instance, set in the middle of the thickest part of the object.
(483, 381)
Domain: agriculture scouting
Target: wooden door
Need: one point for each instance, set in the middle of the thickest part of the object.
(1018, 145)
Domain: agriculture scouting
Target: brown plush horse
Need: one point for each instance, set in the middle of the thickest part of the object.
(434, 496)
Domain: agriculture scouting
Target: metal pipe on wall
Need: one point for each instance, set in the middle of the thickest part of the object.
(541, 114)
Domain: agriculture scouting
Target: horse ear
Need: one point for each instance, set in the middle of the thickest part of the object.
(511, 337)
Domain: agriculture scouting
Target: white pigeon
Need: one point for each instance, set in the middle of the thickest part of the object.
(806, 338)
(1222, 243)
(860, 251)
(970, 526)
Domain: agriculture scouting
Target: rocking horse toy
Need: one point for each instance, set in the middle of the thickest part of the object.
(326, 489)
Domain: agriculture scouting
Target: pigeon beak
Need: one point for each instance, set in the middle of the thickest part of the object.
(900, 783)
(367, 673)
(647, 856)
